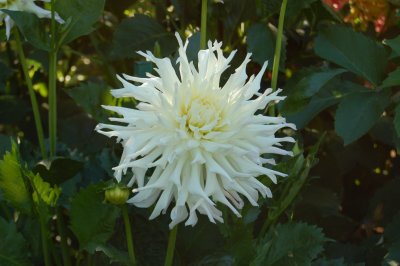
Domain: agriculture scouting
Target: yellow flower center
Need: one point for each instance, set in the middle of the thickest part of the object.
(203, 114)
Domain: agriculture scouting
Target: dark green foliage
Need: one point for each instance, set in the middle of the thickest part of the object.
(352, 50)
(140, 33)
(358, 112)
(90, 96)
(80, 17)
(92, 221)
(13, 247)
(290, 244)
(30, 26)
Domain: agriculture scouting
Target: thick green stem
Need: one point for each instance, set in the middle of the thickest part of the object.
(128, 233)
(169, 259)
(62, 231)
(44, 236)
(203, 29)
(278, 48)
(32, 95)
(52, 86)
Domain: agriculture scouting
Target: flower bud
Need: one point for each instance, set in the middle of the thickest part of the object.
(117, 195)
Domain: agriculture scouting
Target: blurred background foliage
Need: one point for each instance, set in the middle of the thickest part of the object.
(339, 69)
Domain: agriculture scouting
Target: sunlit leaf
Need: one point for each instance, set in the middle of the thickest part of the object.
(12, 182)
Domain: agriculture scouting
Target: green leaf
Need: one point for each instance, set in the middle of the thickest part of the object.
(395, 45)
(358, 112)
(114, 254)
(43, 191)
(58, 170)
(92, 221)
(353, 51)
(80, 16)
(90, 96)
(392, 80)
(304, 85)
(140, 33)
(261, 43)
(290, 244)
(327, 96)
(13, 247)
(12, 182)
(31, 28)
(396, 120)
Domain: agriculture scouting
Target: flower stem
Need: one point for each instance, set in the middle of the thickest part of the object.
(169, 259)
(32, 95)
(203, 29)
(44, 235)
(64, 245)
(278, 45)
(52, 85)
(128, 233)
(277, 55)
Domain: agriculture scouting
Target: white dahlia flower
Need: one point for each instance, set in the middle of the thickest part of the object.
(26, 6)
(201, 141)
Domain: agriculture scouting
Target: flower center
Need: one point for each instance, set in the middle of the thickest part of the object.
(202, 115)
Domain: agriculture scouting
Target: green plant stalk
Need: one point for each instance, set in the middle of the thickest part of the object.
(128, 233)
(52, 85)
(32, 95)
(45, 247)
(278, 48)
(169, 259)
(64, 245)
(203, 29)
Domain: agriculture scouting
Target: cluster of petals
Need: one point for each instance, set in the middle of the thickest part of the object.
(192, 142)
(25, 6)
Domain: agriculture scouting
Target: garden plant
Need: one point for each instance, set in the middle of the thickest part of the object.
(203, 132)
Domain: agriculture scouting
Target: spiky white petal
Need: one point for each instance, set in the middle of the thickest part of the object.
(203, 142)
(26, 6)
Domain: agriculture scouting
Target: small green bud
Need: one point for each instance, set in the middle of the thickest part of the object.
(117, 195)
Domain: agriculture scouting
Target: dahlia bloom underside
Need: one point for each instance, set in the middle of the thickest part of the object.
(26, 6)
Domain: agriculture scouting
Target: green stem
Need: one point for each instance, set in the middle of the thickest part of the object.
(128, 233)
(32, 95)
(203, 29)
(52, 86)
(44, 235)
(64, 245)
(277, 55)
(169, 259)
